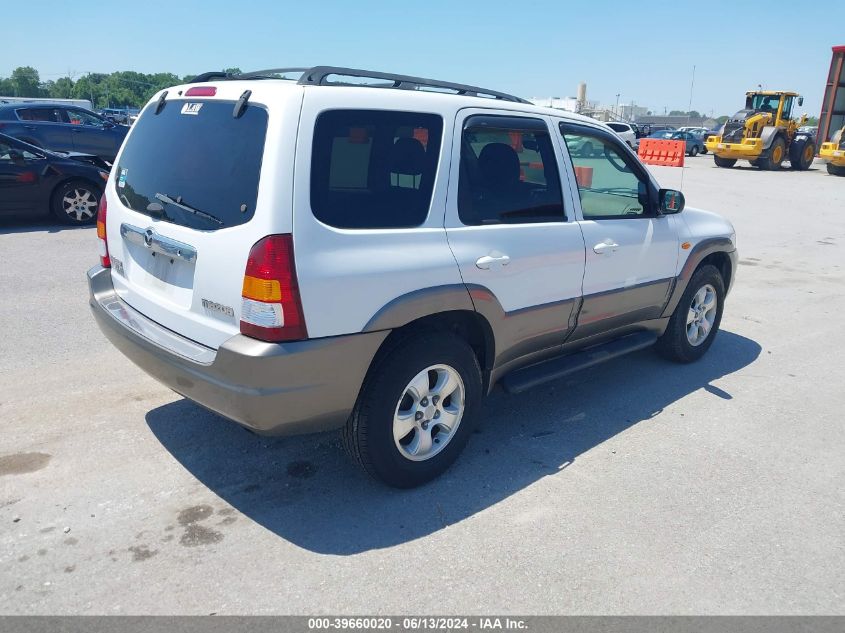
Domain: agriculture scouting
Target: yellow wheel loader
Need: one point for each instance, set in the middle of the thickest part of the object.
(834, 153)
(764, 133)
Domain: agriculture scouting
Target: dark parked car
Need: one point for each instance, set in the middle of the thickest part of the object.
(693, 142)
(35, 181)
(63, 128)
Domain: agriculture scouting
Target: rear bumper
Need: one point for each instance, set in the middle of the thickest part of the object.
(271, 388)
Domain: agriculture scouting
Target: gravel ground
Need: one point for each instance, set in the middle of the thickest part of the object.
(636, 487)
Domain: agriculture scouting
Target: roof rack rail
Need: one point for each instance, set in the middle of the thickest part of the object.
(318, 76)
(254, 74)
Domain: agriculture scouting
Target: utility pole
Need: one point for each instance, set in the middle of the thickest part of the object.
(616, 112)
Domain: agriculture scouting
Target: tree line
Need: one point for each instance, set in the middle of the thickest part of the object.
(122, 89)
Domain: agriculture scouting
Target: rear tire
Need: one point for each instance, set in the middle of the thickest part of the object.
(75, 202)
(694, 151)
(695, 322)
(801, 154)
(399, 421)
(724, 162)
(772, 158)
(836, 170)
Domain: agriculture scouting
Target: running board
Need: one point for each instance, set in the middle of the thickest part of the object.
(533, 375)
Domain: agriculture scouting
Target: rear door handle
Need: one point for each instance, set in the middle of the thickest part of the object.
(29, 127)
(493, 259)
(606, 247)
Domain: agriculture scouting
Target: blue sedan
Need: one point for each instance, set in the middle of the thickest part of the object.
(694, 144)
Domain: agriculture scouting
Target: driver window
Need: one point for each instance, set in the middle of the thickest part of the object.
(79, 117)
(607, 185)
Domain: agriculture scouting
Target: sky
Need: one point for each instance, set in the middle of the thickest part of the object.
(643, 50)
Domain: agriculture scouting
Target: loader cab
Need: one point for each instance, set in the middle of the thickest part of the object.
(778, 104)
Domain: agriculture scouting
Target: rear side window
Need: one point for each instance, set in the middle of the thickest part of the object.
(194, 164)
(49, 115)
(374, 168)
(508, 172)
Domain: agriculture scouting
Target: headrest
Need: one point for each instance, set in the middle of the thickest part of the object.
(407, 157)
(499, 165)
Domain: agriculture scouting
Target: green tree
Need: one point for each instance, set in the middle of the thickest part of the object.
(26, 82)
(7, 87)
(61, 88)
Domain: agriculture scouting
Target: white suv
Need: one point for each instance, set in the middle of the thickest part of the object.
(626, 133)
(304, 255)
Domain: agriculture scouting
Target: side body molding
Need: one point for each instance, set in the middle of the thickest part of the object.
(697, 254)
(519, 336)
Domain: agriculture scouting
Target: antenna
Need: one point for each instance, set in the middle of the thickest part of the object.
(689, 115)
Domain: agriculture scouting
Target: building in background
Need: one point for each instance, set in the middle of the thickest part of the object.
(832, 117)
(678, 121)
(577, 103)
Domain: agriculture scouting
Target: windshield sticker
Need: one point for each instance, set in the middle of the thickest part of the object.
(191, 108)
(121, 181)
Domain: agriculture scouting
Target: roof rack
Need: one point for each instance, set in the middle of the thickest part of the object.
(319, 76)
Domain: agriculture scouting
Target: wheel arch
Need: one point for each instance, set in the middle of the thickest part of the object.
(70, 178)
(718, 251)
(431, 309)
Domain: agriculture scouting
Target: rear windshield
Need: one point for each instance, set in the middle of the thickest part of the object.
(194, 164)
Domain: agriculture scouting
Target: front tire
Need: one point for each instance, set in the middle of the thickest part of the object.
(771, 160)
(801, 154)
(836, 170)
(75, 202)
(724, 162)
(416, 410)
(695, 322)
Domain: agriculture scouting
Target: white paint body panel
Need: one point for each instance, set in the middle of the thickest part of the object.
(546, 259)
(347, 275)
(221, 255)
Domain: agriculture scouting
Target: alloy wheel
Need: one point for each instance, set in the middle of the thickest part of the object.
(701, 315)
(428, 413)
(80, 204)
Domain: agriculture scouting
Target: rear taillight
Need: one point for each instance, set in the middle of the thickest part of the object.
(271, 309)
(102, 240)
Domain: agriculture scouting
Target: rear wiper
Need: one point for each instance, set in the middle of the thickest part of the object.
(177, 202)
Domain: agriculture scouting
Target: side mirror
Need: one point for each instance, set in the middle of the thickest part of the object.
(671, 201)
(800, 101)
(17, 157)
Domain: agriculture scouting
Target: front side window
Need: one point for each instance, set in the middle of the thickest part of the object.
(508, 173)
(609, 184)
(374, 169)
(80, 117)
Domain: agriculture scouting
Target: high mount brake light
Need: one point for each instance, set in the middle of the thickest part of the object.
(201, 91)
